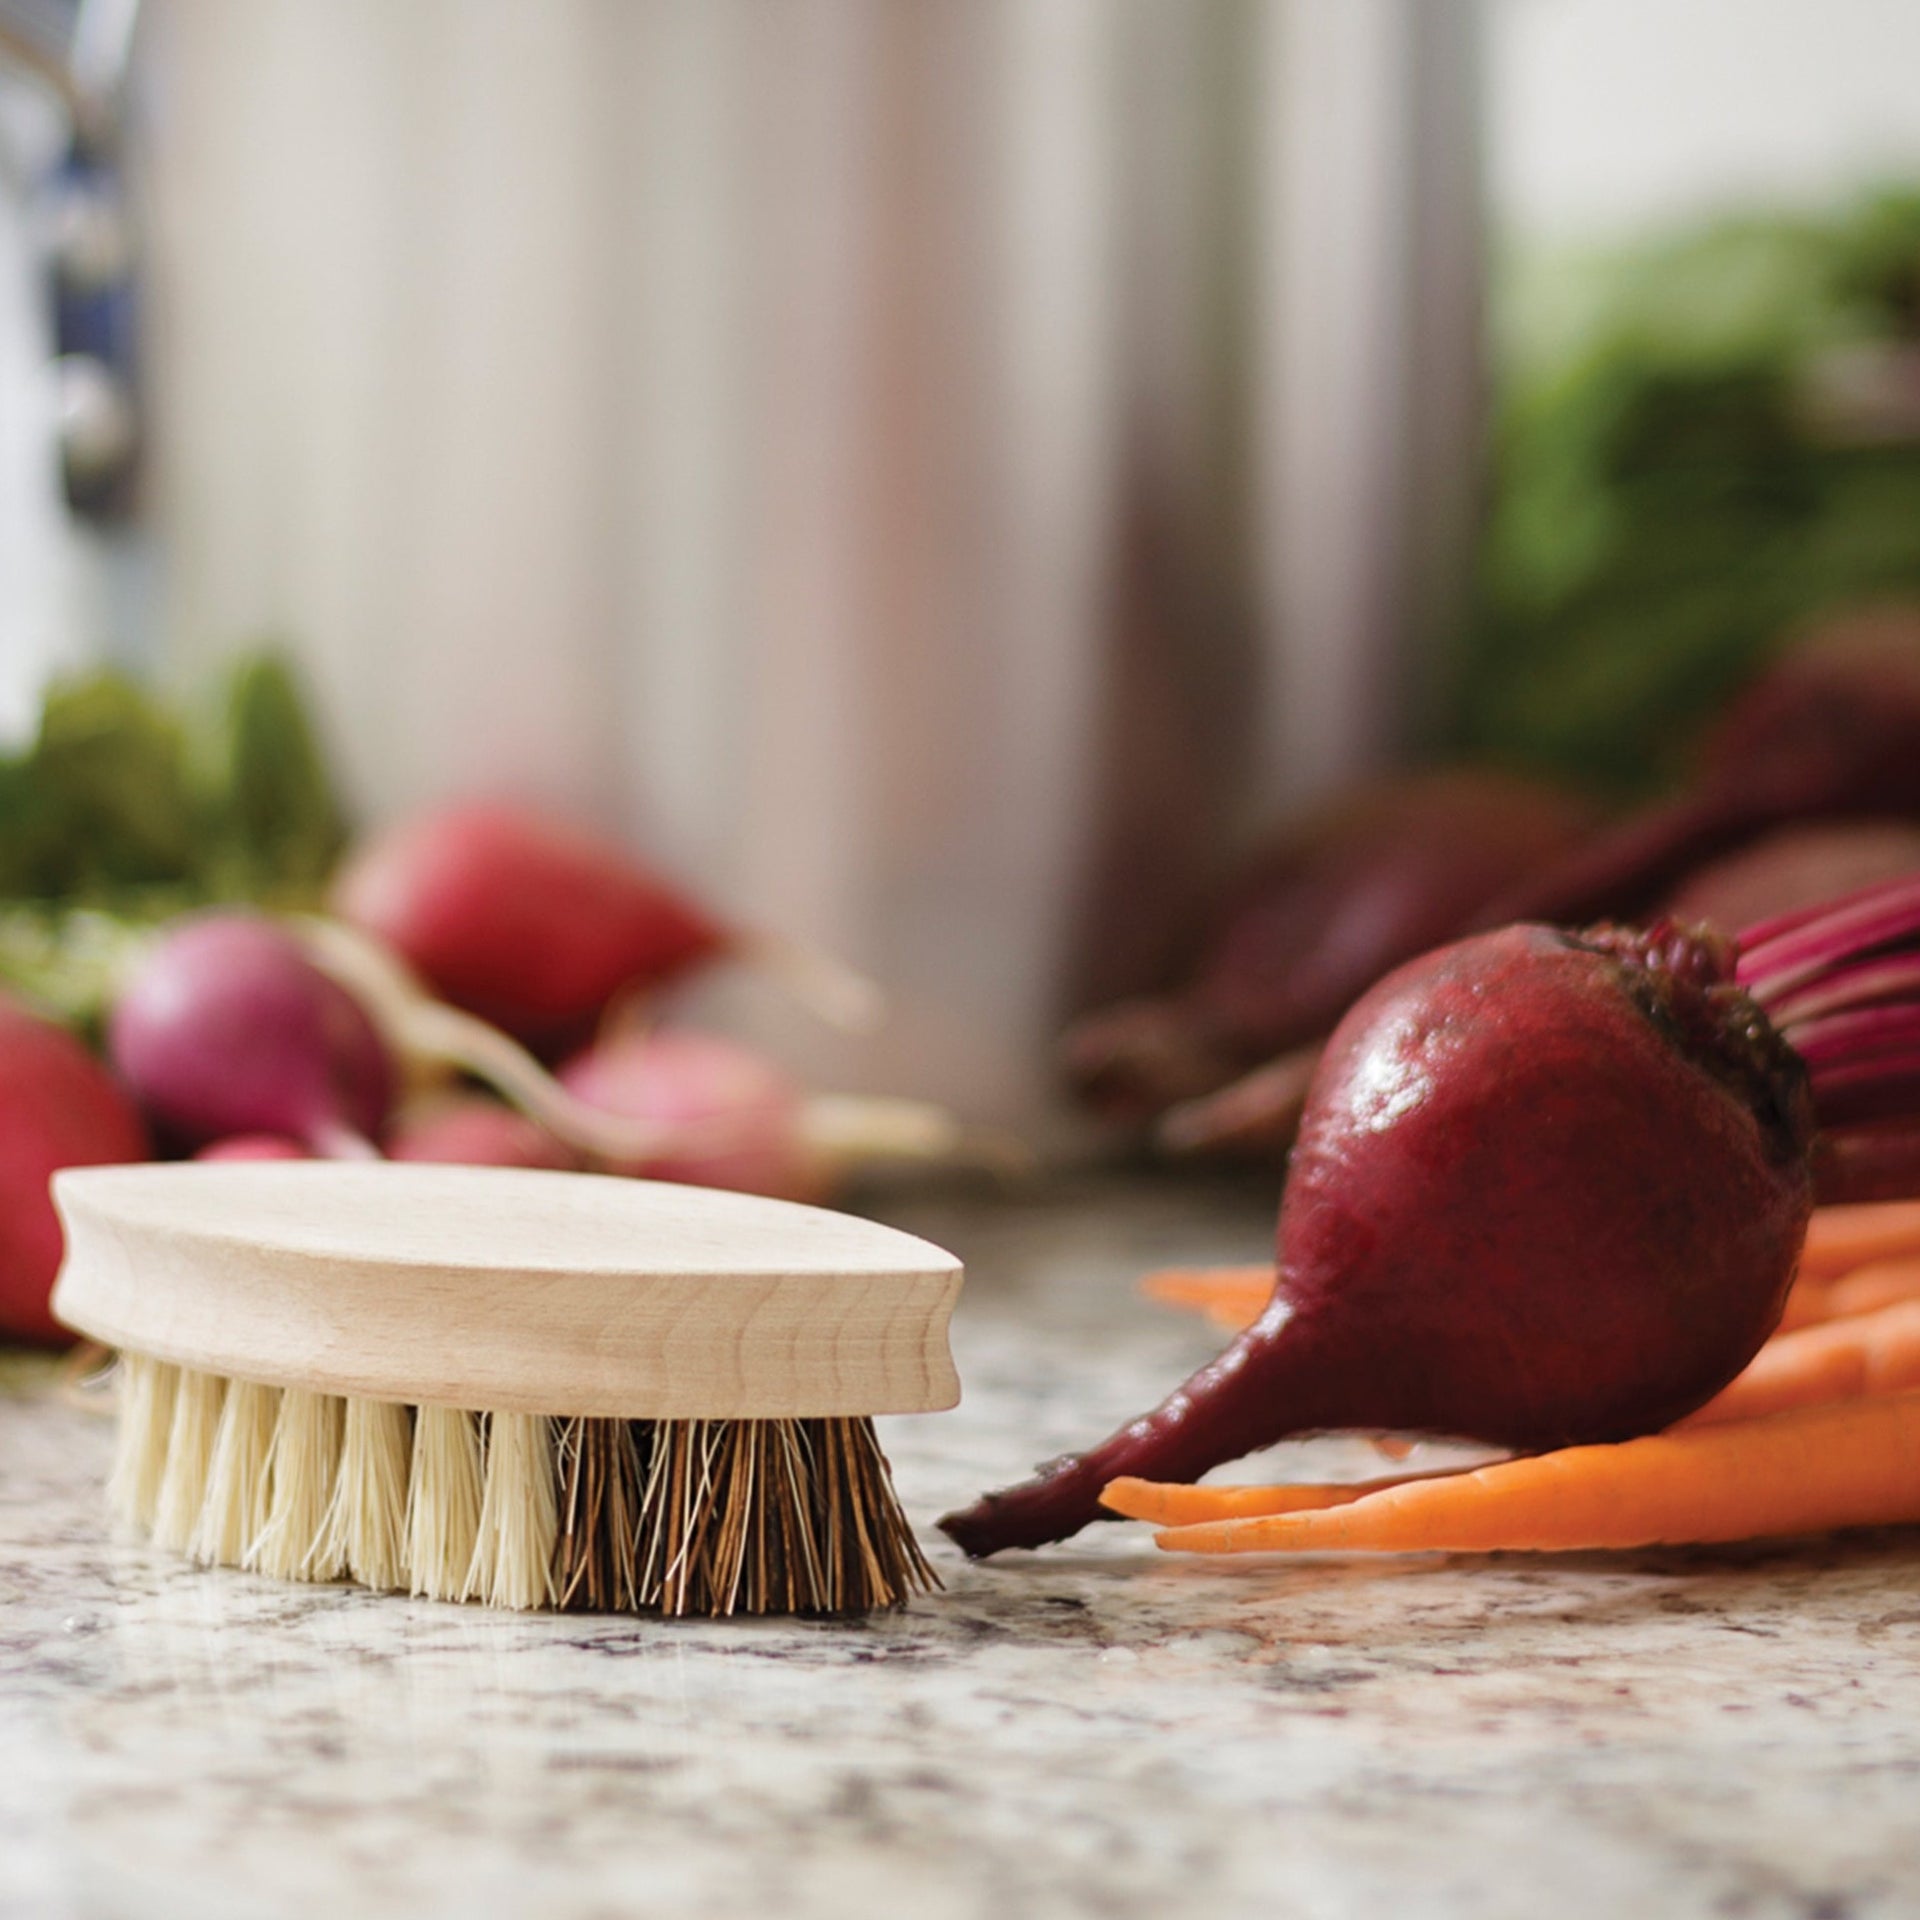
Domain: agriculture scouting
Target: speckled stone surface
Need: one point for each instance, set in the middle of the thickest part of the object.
(1099, 1731)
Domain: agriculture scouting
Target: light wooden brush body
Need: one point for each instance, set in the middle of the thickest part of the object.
(519, 1386)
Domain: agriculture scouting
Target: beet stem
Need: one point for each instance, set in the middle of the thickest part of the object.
(1877, 982)
(1877, 917)
(1841, 985)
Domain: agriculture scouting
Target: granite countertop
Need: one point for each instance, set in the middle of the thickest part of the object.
(1099, 1731)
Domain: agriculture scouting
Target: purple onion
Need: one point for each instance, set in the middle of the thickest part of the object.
(227, 1027)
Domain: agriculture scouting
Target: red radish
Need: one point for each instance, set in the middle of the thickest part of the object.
(469, 1130)
(59, 1107)
(226, 1027)
(531, 924)
(1550, 1189)
(254, 1146)
(1352, 890)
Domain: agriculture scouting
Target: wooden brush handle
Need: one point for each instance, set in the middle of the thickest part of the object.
(508, 1290)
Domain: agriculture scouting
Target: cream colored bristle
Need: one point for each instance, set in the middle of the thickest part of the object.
(443, 1502)
(234, 1514)
(519, 1515)
(147, 1389)
(183, 1487)
(302, 1465)
(367, 1522)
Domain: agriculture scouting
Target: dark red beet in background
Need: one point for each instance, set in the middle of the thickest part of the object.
(1353, 890)
(1795, 867)
(1830, 733)
(1831, 729)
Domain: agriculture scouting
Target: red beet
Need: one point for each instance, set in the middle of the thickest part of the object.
(1830, 732)
(1352, 891)
(529, 923)
(1831, 729)
(469, 1130)
(1549, 1189)
(1795, 867)
(59, 1107)
(226, 1027)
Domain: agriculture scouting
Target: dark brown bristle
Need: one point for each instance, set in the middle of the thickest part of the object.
(601, 1473)
(686, 1517)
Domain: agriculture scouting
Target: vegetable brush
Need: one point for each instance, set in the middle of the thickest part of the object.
(528, 1389)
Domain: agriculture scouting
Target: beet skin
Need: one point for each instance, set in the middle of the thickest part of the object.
(1549, 1189)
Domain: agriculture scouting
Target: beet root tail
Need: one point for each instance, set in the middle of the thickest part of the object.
(1227, 1409)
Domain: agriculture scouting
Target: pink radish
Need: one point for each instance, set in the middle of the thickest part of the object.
(740, 1118)
(470, 1130)
(226, 1027)
(254, 1146)
(729, 1117)
(59, 1107)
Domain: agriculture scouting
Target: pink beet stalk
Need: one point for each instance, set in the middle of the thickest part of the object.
(1841, 985)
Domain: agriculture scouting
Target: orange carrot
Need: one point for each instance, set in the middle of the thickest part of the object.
(1807, 1305)
(1233, 1297)
(1847, 1465)
(1840, 1238)
(1844, 1359)
(1169, 1503)
(1230, 1297)
(1868, 1289)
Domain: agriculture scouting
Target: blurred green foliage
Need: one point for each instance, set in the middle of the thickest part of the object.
(1687, 462)
(125, 809)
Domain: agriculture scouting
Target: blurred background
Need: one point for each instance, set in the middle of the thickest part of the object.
(944, 480)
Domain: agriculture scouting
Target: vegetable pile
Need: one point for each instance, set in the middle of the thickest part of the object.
(1807, 785)
(1550, 1189)
(173, 898)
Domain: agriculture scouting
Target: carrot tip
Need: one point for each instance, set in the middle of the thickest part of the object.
(1130, 1497)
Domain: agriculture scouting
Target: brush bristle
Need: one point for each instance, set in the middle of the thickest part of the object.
(302, 1464)
(601, 1473)
(191, 1434)
(147, 1388)
(675, 1517)
(443, 1502)
(239, 1487)
(519, 1515)
(367, 1521)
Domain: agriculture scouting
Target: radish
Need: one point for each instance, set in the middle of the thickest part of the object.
(729, 1117)
(470, 1130)
(536, 926)
(254, 1146)
(59, 1107)
(1550, 1188)
(738, 1117)
(227, 1028)
(1350, 891)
